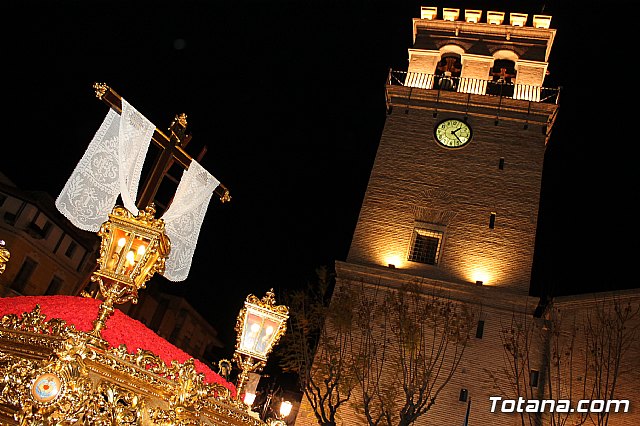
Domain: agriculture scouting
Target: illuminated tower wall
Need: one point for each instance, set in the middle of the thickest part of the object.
(460, 220)
(455, 212)
(479, 201)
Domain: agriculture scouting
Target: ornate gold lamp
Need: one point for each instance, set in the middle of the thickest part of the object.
(285, 410)
(260, 325)
(133, 249)
(4, 256)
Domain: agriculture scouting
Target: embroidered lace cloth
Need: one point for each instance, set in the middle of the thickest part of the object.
(112, 165)
(183, 219)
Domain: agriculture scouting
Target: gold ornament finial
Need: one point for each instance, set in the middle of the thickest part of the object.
(101, 89)
(180, 119)
(4, 256)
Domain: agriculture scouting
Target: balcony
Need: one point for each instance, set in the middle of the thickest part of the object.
(499, 88)
(492, 99)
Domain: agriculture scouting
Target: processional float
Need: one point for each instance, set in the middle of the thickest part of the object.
(60, 366)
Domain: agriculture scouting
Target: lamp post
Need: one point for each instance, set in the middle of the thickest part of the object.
(285, 410)
(132, 250)
(260, 325)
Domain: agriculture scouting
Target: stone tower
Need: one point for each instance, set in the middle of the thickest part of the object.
(452, 205)
(462, 213)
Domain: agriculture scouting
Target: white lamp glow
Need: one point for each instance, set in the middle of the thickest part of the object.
(285, 408)
(249, 398)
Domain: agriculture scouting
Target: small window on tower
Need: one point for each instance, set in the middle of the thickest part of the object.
(533, 378)
(425, 246)
(480, 329)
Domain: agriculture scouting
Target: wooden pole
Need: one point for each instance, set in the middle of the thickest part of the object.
(172, 147)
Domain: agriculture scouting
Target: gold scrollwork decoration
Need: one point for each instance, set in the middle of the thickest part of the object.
(4, 256)
(101, 89)
(72, 381)
(268, 302)
(53, 391)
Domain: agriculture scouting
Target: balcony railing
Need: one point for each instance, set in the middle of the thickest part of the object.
(474, 86)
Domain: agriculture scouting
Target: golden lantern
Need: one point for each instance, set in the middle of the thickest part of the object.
(133, 249)
(285, 410)
(260, 325)
(4, 256)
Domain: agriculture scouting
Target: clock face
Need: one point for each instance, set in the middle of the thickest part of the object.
(452, 133)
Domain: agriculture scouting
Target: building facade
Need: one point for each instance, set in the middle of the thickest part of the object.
(48, 254)
(452, 205)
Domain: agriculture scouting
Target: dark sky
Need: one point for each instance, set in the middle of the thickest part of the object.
(288, 98)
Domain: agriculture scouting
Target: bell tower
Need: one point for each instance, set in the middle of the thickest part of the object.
(451, 210)
(454, 191)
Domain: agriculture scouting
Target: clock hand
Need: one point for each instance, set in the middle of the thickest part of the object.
(454, 134)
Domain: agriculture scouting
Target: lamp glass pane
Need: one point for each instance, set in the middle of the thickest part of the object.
(252, 328)
(265, 338)
(117, 246)
(285, 408)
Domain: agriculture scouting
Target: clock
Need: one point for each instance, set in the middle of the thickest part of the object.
(452, 133)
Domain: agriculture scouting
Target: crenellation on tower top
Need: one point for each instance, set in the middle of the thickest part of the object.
(482, 35)
(450, 14)
(493, 17)
(541, 21)
(472, 16)
(518, 19)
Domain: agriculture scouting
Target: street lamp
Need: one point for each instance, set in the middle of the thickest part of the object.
(285, 409)
(249, 397)
(132, 250)
(260, 325)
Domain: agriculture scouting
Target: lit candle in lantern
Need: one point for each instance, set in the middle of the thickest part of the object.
(130, 262)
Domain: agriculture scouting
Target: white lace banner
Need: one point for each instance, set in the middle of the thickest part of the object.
(110, 166)
(183, 219)
(134, 136)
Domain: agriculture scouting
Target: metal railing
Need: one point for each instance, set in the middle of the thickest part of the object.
(474, 85)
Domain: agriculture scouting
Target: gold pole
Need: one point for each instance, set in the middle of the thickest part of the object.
(247, 365)
(106, 310)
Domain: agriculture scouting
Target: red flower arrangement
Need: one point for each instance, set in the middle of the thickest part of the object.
(120, 328)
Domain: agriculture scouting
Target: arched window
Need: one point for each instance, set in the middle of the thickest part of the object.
(502, 76)
(448, 71)
(503, 71)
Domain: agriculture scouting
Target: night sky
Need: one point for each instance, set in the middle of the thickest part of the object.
(288, 99)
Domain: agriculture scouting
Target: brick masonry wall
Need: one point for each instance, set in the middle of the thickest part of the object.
(412, 171)
(574, 314)
(485, 367)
